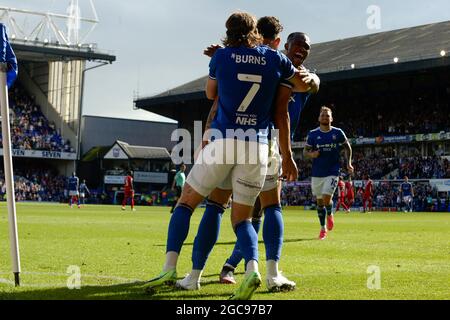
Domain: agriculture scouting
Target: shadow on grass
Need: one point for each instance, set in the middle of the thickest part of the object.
(233, 242)
(128, 291)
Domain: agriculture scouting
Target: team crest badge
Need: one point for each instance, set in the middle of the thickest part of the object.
(334, 137)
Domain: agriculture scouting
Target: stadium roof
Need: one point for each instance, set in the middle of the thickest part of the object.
(137, 152)
(411, 45)
(40, 51)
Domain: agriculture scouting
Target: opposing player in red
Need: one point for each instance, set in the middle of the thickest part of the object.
(350, 193)
(128, 190)
(341, 196)
(368, 193)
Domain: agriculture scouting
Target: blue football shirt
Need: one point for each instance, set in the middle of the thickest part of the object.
(406, 188)
(84, 188)
(247, 80)
(296, 105)
(329, 145)
(73, 183)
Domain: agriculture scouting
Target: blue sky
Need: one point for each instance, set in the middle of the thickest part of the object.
(159, 44)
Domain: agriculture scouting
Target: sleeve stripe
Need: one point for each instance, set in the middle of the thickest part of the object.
(213, 78)
(286, 85)
(292, 75)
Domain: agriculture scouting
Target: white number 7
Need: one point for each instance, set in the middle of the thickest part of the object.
(253, 89)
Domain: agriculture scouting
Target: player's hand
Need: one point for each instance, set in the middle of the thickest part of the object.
(350, 168)
(289, 169)
(305, 75)
(211, 50)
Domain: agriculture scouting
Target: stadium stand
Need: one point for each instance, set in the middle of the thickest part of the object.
(394, 111)
(36, 184)
(31, 130)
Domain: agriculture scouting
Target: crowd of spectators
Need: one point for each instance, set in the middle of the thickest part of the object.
(391, 113)
(30, 129)
(426, 197)
(424, 168)
(378, 167)
(35, 185)
(297, 195)
(397, 114)
(386, 195)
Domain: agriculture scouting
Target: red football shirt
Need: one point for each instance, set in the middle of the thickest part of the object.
(128, 186)
(341, 186)
(368, 188)
(349, 189)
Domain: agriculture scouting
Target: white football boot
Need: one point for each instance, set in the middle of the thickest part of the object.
(280, 283)
(188, 283)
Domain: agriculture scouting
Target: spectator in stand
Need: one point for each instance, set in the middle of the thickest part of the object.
(37, 184)
(30, 129)
(391, 113)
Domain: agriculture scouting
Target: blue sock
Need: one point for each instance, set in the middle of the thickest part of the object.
(273, 230)
(236, 256)
(207, 234)
(178, 228)
(247, 240)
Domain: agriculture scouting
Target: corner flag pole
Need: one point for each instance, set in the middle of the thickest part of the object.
(5, 51)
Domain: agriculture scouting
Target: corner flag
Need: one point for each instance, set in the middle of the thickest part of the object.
(8, 74)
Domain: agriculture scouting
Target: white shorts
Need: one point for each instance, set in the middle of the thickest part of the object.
(323, 185)
(73, 193)
(82, 194)
(273, 167)
(230, 165)
(407, 199)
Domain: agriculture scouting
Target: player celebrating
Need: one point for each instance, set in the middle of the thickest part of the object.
(297, 46)
(83, 191)
(350, 193)
(297, 50)
(128, 190)
(407, 194)
(73, 190)
(241, 66)
(178, 183)
(367, 194)
(341, 195)
(323, 145)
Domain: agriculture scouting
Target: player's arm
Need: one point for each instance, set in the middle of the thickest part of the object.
(282, 123)
(348, 155)
(211, 89)
(304, 81)
(211, 116)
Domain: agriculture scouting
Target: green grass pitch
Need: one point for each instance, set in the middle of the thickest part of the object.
(117, 250)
